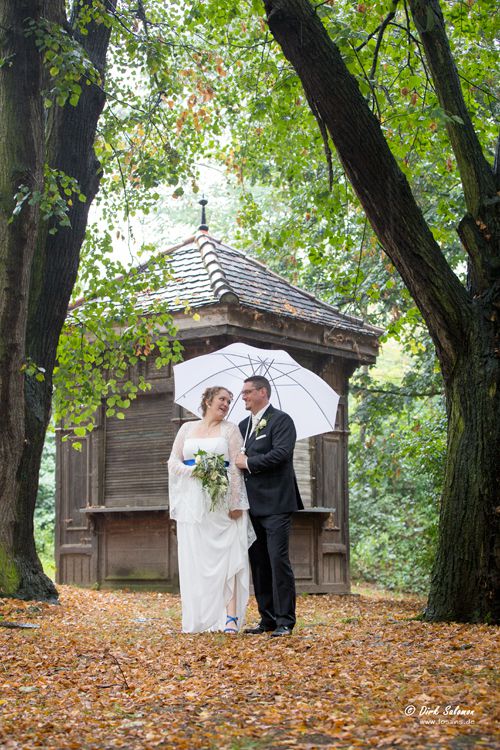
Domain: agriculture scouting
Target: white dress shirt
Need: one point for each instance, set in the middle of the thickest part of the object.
(255, 421)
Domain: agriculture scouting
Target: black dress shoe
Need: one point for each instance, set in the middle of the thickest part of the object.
(258, 630)
(281, 630)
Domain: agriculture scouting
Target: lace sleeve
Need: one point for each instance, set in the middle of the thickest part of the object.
(176, 465)
(238, 499)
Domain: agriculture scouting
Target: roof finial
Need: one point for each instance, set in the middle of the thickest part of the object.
(203, 226)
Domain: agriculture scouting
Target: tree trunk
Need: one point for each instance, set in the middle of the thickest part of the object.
(464, 328)
(466, 580)
(71, 136)
(21, 164)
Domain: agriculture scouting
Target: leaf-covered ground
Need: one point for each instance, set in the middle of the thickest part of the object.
(112, 670)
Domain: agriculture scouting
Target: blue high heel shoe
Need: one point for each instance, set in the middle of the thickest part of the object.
(230, 620)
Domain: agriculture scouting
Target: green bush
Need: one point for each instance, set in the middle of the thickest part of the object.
(395, 548)
(397, 454)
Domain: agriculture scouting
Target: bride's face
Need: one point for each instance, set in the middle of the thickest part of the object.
(219, 405)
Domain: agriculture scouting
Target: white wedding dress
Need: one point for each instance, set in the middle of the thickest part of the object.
(212, 548)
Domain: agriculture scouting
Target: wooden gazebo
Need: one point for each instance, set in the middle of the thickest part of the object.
(113, 526)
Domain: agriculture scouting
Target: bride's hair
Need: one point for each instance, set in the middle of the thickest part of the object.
(208, 396)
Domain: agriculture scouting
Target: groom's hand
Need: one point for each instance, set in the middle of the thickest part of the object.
(241, 461)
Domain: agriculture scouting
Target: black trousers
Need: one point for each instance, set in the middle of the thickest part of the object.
(272, 573)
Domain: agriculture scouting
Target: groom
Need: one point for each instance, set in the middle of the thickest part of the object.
(273, 495)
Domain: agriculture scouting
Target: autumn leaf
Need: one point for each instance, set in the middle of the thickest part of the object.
(112, 669)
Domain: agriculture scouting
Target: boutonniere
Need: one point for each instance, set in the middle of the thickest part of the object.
(260, 426)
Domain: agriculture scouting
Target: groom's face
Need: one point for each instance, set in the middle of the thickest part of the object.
(254, 398)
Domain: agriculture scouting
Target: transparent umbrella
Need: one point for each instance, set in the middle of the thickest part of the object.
(302, 394)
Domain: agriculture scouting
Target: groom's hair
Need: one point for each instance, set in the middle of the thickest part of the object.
(260, 381)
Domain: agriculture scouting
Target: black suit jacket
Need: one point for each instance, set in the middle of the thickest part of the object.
(271, 484)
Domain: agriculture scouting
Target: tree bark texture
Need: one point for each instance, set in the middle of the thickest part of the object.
(465, 582)
(468, 574)
(21, 167)
(464, 327)
(70, 138)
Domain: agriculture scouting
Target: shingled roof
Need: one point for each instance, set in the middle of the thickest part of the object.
(206, 272)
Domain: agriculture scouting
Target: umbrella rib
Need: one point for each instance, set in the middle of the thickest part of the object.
(251, 364)
(275, 388)
(211, 376)
(286, 374)
(263, 363)
(267, 364)
(257, 364)
(311, 397)
(248, 365)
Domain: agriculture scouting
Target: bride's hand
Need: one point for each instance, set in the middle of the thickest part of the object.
(234, 514)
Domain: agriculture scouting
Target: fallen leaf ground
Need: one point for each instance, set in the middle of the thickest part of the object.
(112, 670)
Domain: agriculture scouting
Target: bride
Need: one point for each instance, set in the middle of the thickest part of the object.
(212, 544)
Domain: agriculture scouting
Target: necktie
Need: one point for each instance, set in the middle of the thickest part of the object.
(254, 423)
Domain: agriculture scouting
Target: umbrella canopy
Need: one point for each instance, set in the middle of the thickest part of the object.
(302, 394)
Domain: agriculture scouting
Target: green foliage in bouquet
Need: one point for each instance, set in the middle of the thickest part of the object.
(210, 469)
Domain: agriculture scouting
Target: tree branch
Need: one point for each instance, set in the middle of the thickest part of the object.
(324, 135)
(401, 393)
(370, 36)
(372, 170)
(496, 168)
(385, 23)
(474, 169)
(477, 176)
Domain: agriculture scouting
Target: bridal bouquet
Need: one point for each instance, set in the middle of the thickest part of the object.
(210, 469)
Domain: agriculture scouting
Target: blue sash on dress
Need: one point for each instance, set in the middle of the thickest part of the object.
(191, 462)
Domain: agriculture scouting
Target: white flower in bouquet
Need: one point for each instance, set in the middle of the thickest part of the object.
(210, 469)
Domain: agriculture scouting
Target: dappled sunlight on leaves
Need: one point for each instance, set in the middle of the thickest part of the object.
(111, 669)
